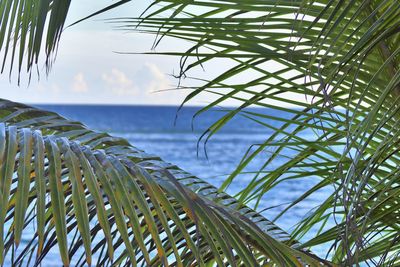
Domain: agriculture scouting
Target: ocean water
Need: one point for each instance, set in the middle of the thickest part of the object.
(174, 137)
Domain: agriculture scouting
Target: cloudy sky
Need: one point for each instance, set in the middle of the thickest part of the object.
(87, 69)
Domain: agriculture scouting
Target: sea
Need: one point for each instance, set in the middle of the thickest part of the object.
(174, 135)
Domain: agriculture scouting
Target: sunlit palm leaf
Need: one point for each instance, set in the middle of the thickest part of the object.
(102, 201)
(344, 57)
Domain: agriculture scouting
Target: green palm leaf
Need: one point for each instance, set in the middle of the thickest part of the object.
(102, 201)
(339, 60)
(27, 27)
(342, 56)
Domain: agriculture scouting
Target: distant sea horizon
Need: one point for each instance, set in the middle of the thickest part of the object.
(153, 128)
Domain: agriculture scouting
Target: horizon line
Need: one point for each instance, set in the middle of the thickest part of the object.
(132, 105)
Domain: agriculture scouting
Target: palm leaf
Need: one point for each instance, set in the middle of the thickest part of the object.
(27, 27)
(99, 200)
(342, 57)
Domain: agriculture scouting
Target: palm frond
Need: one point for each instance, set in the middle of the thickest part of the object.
(102, 201)
(343, 58)
(27, 27)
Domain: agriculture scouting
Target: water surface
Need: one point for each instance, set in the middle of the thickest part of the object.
(156, 130)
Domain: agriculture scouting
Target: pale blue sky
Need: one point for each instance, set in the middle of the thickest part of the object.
(87, 70)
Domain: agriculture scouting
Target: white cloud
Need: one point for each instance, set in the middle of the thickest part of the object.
(144, 82)
(150, 80)
(119, 83)
(158, 81)
(79, 84)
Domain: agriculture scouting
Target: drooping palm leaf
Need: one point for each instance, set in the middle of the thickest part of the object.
(27, 27)
(102, 201)
(343, 57)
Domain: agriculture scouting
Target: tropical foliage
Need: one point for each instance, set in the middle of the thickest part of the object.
(28, 27)
(102, 201)
(339, 60)
(336, 63)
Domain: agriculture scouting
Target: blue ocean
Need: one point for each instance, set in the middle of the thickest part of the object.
(174, 136)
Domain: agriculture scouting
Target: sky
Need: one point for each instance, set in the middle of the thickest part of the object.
(88, 70)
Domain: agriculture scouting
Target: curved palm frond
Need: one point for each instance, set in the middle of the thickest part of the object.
(102, 201)
(27, 27)
(343, 58)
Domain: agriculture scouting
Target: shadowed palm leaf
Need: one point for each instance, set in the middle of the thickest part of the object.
(343, 56)
(27, 27)
(339, 60)
(100, 200)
